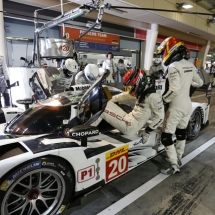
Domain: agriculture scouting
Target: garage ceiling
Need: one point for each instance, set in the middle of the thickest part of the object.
(152, 17)
(141, 16)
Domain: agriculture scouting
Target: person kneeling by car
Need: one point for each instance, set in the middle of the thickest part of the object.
(148, 102)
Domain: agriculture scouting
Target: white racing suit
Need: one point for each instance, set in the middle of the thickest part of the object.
(180, 76)
(109, 65)
(131, 123)
(80, 78)
(4, 82)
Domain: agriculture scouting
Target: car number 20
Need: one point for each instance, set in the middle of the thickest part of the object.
(116, 162)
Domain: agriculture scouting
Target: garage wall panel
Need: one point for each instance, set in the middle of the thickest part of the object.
(142, 3)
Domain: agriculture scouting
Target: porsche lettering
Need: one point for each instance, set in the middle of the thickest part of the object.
(117, 117)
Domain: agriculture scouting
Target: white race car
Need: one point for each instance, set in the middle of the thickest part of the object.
(42, 174)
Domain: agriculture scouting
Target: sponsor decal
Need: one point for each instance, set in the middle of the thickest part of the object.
(64, 48)
(85, 133)
(82, 87)
(45, 163)
(138, 142)
(189, 70)
(12, 112)
(120, 118)
(86, 174)
(116, 162)
(61, 210)
(18, 173)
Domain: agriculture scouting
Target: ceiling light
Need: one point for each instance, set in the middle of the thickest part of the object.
(211, 20)
(184, 5)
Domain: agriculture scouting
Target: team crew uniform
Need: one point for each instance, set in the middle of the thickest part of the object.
(88, 76)
(109, 65)
(181, 74)
(147, 104)
(4, 82)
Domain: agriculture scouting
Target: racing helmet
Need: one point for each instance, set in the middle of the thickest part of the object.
(70, 67)
(156, 62)
(91, 72)
(137, 79)
(169, 48)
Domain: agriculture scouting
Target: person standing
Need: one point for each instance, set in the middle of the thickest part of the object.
(121, 70)
(108, 64)
(181, 74)
(4, 83)
(212, 74)
(157, 67)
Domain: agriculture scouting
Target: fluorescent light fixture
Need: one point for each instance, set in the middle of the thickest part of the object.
(184, 5)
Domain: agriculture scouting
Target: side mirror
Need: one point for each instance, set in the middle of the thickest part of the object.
(83, 132)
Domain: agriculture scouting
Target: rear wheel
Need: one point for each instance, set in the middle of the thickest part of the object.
(45, 190)
(194, 125)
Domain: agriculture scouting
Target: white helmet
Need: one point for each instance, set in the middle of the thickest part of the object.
(71, 65)
(157, 61)
(91, 72)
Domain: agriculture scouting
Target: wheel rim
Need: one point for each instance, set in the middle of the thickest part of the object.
(39, 192)
(195, 124)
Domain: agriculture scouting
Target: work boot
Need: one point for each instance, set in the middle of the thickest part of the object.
(171, 170)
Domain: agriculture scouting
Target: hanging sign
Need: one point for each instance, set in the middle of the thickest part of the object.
(94, 40)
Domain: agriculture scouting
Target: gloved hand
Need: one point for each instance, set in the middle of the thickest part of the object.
(145, 134)
(145, 137)
(8, 84)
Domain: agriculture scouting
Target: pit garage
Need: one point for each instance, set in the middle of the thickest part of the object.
(62, 64)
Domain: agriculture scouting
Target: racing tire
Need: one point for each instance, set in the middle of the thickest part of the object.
(194, 125)
(42, 186)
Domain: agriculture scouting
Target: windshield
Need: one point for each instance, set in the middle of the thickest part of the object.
(93, 102)
(39, 120)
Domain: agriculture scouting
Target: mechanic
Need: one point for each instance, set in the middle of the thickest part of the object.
(212, 73)
(148, 102)
(121, 70)
(88, 76)
(108, 64)
(181, 75)
(4, 83)
(157, 67)
(67, 71)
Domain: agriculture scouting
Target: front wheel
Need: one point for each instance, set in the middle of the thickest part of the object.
(194, 125)
(45, 190)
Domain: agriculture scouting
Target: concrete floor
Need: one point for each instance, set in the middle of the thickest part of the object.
(189, 193)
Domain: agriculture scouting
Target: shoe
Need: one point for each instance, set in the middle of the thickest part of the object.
(171, 170)
(179, 162)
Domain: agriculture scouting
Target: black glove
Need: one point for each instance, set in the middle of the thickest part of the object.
(192, 90)
(8, 84)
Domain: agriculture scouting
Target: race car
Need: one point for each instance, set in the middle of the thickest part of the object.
(43, 174)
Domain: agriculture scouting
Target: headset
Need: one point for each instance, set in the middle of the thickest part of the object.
(111, 54)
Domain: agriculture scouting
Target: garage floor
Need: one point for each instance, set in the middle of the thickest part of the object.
(191, 192)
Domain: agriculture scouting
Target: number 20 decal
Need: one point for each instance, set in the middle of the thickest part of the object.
(116, 162)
